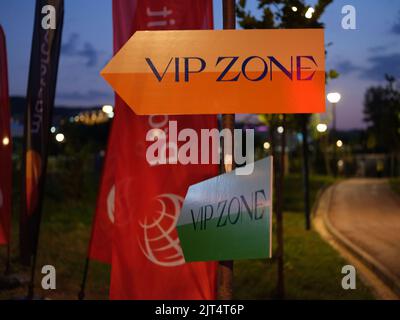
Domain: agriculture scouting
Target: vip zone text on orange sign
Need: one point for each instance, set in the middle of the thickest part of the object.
(264, 65)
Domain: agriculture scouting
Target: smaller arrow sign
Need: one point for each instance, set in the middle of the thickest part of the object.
(228, 217)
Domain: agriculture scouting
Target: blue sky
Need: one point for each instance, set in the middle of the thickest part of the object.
(362, 56)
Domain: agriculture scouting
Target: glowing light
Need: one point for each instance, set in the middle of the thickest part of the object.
(340, 163)
(333, 97)
(156, 133)
(267, 145)
(53, 129)
(6, 141)
(339, 143)
(322, 127)
(309, 13)
(228, 159)
(110, 115)
(280, 129)
(294, 9)
(60, 137)
(107, 109)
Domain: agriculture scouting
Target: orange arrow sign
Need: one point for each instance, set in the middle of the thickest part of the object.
(224, 71)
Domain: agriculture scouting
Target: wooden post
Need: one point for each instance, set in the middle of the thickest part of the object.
(225, 268)
(280, 290)
(306, 179)
(334, 138)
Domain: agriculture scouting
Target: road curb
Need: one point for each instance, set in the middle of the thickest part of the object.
(387, 277)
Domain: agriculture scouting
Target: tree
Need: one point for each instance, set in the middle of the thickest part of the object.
(382, 115)
(285, 14)
(280, 14)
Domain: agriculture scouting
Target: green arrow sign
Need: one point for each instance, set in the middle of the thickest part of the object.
(228, 217)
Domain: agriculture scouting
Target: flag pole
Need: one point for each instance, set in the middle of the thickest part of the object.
(8, 263)
(81, 293)
(31, 286)
(225, 268)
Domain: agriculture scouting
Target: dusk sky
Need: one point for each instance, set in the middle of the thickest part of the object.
(361, 56)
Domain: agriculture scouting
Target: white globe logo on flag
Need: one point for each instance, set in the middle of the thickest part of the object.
(160, 241)
(111, 204)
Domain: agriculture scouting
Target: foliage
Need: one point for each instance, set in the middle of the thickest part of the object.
(382, 114)
(279, 14)
(312, 267)
(78, 154)
(395, 185)
(63, 242)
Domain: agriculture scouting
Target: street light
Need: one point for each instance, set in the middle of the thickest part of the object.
(334, 98)
(107, 109)
(322, 127)
(228, 162)
(339, 143)
(60, 137)
(267, 145)
(309, 13)
(6, 141)
(280, 129)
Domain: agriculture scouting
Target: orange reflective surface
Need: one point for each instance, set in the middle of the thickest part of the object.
(174, 85)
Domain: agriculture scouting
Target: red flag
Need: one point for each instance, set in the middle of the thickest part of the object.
(147, 261)
(5, 146)
(100, 241)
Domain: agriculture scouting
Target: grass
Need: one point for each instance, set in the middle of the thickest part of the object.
(293, 193)
(63, 243)
(395, 184)
(312, 267)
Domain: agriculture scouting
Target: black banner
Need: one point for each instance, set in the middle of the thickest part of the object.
(45, 54)
(197, 310)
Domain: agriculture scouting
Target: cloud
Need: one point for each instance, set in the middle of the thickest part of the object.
(346, 67)
(376, 49)
(381, 65)
(377, 66)
(72, 48)
(86, 96)
(396, 27)
(90, 53)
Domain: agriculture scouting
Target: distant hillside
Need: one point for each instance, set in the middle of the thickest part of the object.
(18, 105)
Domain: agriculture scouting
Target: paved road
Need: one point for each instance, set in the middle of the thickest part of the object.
(367, 213)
